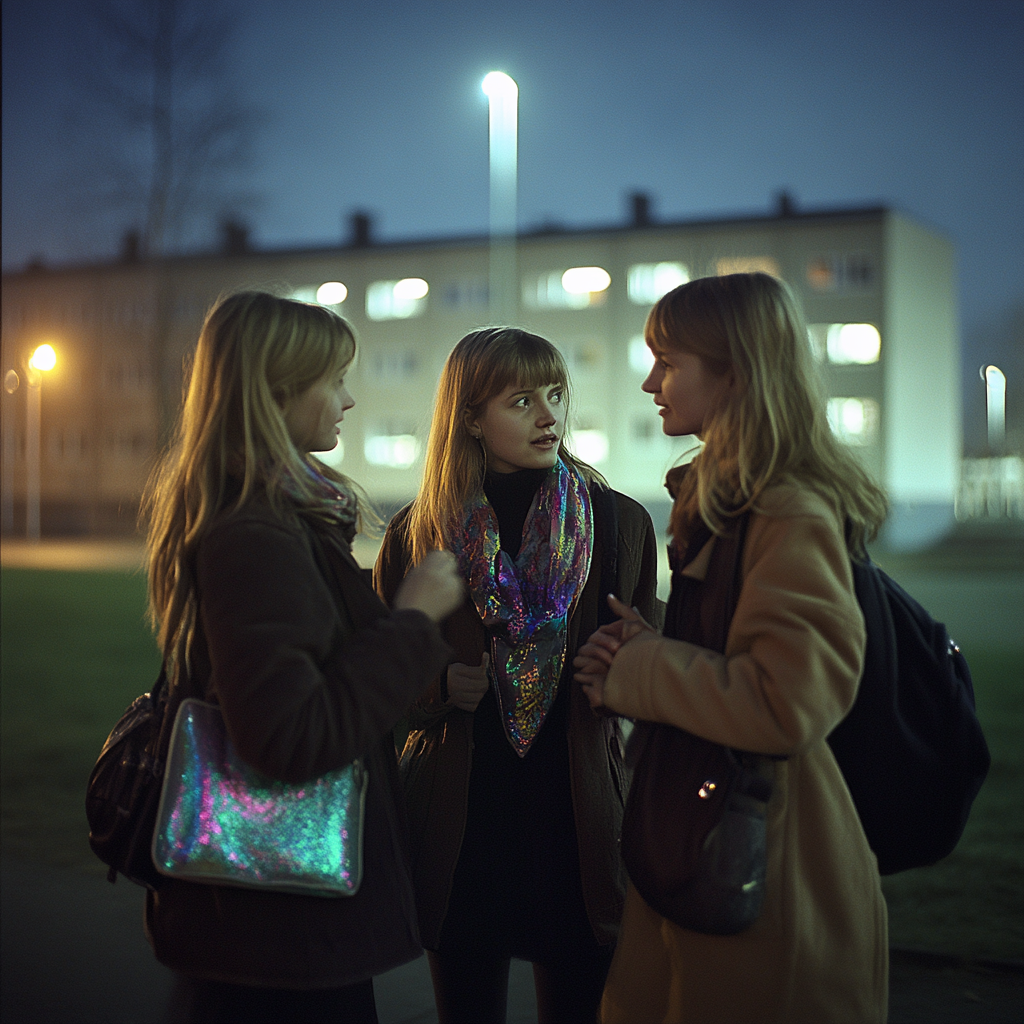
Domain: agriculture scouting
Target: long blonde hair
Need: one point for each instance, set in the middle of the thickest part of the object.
(772, 427)
(480, 367)
(256, 354)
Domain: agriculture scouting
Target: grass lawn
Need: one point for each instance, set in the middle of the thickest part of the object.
(76, 651)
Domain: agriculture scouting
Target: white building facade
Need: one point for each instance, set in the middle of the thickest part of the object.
(878, 290)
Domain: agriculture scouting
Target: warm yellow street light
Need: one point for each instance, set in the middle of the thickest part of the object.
(42, 360)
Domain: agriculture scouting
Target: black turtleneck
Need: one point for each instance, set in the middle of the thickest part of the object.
(511, 495)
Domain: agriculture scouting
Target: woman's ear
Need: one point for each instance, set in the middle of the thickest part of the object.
(472, 424)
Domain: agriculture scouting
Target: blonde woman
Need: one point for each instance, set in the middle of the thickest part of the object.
(732, 366)
(514, 786)
(261, 608)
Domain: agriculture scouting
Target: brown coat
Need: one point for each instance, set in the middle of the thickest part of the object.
(310, 673)
(437, 759)
(793, 657)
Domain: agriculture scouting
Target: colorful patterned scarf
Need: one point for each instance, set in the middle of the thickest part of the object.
(525, 602)
(331, 501)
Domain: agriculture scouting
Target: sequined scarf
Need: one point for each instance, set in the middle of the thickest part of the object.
(525, 602)
(331, 500)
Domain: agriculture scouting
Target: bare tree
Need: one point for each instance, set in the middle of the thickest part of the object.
(170, 135)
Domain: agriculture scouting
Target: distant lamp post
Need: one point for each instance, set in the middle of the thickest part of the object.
(995, 403)
(41, 361)
(11, 383)
(503, 100)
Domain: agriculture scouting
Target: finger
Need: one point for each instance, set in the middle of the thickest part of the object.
(623, 610)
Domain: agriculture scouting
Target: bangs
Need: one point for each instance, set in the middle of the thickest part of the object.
(529, 363)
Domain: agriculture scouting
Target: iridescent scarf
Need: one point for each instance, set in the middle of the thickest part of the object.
(331, 500)
(525, 602)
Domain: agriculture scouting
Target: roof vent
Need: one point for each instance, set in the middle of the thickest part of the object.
(640, 209)
(361, 224)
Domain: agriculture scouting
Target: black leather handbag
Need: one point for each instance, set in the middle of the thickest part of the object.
(695, 822)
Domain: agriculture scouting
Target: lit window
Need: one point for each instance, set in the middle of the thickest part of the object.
(845, 344)
(396, 300)
(397, 451)
(748, 265)
(584, 280)
(331, 293)
(841, 272)
(641, 358)
(647, 282)
(853, 420)
(575, 288)
(590, 445)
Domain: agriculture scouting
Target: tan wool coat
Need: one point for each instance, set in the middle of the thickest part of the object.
(819, 951)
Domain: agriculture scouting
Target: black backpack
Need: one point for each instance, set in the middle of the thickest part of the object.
(911, 748)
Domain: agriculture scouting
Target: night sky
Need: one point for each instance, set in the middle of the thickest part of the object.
(711, 107)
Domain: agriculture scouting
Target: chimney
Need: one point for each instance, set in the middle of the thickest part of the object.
(786, 204)
(131, 246)
(361, 224)
(640, 208)
(234, 237)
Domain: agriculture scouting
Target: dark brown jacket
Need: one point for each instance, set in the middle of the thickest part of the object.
(310, 672)
(437, 759)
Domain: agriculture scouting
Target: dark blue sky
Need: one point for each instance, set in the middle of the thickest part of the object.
(712, 107)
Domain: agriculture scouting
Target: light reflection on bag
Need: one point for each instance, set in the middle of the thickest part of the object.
(223, 823)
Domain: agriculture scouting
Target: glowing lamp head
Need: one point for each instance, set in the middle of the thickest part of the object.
(44, 358)
(498, 85)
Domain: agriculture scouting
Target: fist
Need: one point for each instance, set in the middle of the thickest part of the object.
(432, 587)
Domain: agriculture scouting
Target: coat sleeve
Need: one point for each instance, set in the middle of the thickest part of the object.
(793, 655)
(301, 691)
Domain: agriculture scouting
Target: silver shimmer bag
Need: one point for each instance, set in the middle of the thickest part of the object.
(223, 823)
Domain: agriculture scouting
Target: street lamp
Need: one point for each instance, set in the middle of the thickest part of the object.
(503, 102)
(995, 402)
(11, 384)
(41, 361)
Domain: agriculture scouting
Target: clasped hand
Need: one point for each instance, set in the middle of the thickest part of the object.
(595, 657)
(467, 684)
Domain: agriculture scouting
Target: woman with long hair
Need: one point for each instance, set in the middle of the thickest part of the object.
(732, 365)
(261, 608)
(514, 786)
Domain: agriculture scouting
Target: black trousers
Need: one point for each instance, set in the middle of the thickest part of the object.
(472, 987)
(196, 1001)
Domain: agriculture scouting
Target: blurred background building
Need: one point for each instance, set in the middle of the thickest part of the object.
(877, 287)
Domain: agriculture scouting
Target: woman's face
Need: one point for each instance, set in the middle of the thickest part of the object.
(684, 389)
(522, 428)
(313, 417)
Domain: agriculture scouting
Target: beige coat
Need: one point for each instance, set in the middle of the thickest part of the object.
(819, 951)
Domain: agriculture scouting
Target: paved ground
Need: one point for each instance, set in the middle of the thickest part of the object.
(73, 953)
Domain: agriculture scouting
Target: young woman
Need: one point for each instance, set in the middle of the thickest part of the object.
(261, 608)
(514, 786)
(733, 366)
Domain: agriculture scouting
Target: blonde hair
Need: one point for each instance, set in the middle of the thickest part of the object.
(771, 427)
(255, 355)
(481, 366)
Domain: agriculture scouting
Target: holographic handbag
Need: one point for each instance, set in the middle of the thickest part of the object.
(223, 823)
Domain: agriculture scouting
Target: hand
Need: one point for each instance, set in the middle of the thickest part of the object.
(467, 684)
(432, 587)
(595, 657)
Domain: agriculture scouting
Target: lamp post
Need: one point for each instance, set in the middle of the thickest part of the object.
(42, 360)
(503, 102)
(995, 404)
(11, 383)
